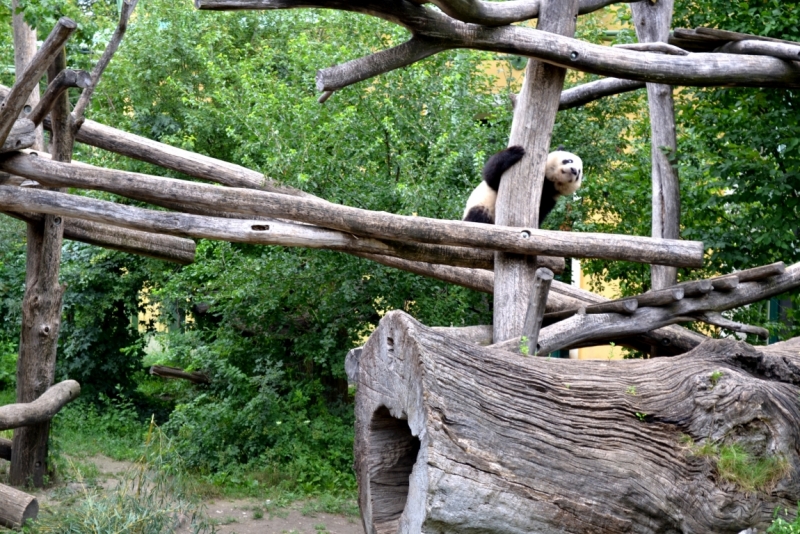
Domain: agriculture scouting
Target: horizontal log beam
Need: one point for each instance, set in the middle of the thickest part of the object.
(589, 92)
(176, 159)
(357, 221)
(21, 136)
(134, 229)
(194, 377)
(582, 329)
(701, 69)
(42, 409)
(156, 246)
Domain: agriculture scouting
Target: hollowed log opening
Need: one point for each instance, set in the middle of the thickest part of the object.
(392, 453)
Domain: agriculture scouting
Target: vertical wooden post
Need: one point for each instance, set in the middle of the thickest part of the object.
(521, 188)
(536, 306)
(652, 21)
(41, 312)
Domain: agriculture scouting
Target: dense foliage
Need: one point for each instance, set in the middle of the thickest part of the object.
(271, 326)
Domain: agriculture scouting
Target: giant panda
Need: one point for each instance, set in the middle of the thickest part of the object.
(563, 175)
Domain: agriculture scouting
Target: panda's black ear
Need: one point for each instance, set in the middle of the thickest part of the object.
(561, 147)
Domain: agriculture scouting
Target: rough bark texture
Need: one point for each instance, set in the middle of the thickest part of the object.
(456, 438)
(652, 22)
(42, 409)
(378, 225)
(41, 310)
(16, 507)
(521, 189)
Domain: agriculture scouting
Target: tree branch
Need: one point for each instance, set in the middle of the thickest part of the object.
(66, 79)
(15, 100)
(589, 92)
(413, 50)
(42, 409)
(78, 114)
(194, 377)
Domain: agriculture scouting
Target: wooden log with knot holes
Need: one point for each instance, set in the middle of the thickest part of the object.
(16, 507)
(452, 437)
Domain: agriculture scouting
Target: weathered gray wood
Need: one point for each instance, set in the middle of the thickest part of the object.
(41, 308)
(366, 67)
(477, 279)
(478, 334)
(696, 288)
(456, 438)
(5, 449)
(652, 22)
(21, 136)
(589, 92)
(716, 319)
(16, 507)
(694, 69)
(520, 193)
(658, 47)
(724, 283)
(66, 79)
(353, 220)
(536, 308)
(789, 52)
(138, 229)
(581, 329)
(126, 10)
(164, 371)
(759, 273)
(725, 35)
(624, 306)
(40, 410)
(161, 247)
(16, 100)
(660, 297)
(474, 11)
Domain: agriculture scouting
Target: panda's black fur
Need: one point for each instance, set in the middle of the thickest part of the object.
(563, 175)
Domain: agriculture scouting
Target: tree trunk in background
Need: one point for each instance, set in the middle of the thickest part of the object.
(652, 22)
(454, 438)
(24, 50)
(521, 189)
(41, 313)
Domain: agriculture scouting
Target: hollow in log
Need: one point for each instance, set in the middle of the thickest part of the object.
(456, 438)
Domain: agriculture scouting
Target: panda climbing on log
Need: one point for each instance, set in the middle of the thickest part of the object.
(563, 175)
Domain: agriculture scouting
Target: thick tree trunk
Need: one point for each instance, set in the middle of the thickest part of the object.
(456, 438)
(41, 312)
(520, 191)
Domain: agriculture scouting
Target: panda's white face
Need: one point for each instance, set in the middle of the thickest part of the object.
(565, 170)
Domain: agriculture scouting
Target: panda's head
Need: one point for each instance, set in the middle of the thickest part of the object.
(565, 170)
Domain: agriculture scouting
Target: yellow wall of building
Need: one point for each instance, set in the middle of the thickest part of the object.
(611, 291)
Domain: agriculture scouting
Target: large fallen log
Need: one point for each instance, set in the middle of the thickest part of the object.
(453, 438)
(16, 507)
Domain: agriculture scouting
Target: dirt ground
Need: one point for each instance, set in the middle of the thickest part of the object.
(245, 516)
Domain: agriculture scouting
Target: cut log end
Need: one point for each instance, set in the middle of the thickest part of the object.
(16, 507)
